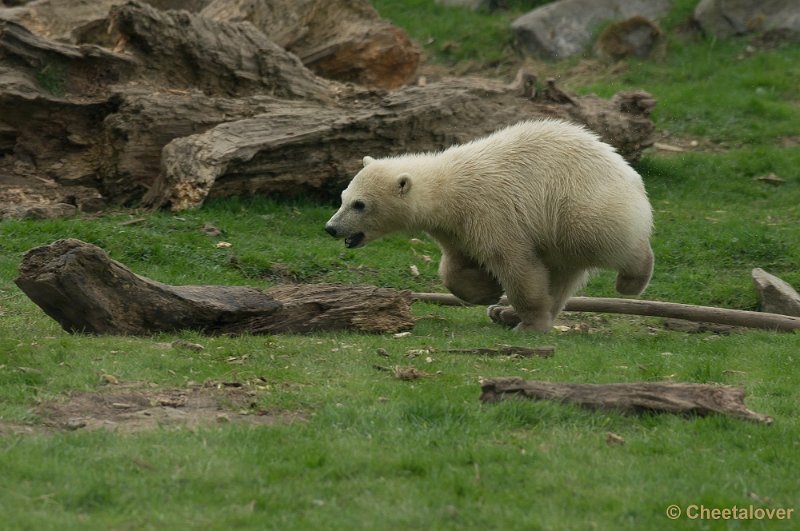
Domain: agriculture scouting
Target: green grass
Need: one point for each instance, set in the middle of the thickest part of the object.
(452, 35)
(374, 452)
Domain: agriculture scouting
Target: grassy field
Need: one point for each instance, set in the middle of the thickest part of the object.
(326, 441)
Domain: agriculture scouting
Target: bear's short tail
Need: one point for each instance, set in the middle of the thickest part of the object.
(635, 276)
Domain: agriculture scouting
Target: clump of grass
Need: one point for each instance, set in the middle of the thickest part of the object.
(52, 77)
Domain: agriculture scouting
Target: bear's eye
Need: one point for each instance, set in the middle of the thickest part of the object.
(359, 205)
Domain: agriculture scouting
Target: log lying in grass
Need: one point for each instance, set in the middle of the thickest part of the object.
(675, 398)
(508, 350)
(689, 312)
(78, 285)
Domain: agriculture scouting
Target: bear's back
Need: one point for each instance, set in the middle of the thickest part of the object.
(556, 181)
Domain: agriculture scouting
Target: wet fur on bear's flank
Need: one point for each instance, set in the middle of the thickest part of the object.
(529, 210)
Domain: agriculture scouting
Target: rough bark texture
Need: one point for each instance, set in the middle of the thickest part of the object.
(53, 98)
(70, 20)
(226, 58)
(79, 286)
(707, 314)
(675, 398)
(358, 47)
(82, 127)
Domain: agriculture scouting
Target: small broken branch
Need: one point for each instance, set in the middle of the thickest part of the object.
(78, 285)
(506, 350)
(665, 397)
(689, 312)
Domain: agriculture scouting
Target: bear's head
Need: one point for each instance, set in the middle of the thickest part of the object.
(374, 204)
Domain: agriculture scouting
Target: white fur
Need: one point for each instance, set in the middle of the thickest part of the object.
(530, 209)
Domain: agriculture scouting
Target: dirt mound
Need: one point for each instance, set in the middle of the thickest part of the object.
(131, 407)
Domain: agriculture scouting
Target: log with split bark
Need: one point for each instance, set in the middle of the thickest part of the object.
(689, 312)
(666, 397)
(78, 285)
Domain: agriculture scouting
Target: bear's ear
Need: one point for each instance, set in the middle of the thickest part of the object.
(367, 160)
(404, 183)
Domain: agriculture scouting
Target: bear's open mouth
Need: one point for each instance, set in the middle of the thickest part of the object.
(355, 240)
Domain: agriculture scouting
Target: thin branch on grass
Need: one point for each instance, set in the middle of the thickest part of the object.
(523, 352)
(689, 312)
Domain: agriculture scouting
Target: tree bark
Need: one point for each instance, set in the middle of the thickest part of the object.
(224, 58)
(689, 312)
(79, 286)
(667, 397)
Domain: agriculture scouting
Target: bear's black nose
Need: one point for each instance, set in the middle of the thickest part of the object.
(330, 230)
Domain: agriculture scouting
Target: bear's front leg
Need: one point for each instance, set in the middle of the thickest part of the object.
(526, 283)
(467, 280)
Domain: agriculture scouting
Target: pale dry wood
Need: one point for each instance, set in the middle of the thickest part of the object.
(689, 312)
(661, 397)
(82, 288)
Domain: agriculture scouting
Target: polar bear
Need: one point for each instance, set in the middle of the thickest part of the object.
(530, 210)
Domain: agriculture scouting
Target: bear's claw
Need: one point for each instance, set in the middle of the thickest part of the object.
(504, 315)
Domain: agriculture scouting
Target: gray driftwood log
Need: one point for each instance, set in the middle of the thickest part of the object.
(673, 310)
(664, 397)
(78, 285)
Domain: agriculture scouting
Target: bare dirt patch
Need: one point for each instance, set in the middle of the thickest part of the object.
(131, 407)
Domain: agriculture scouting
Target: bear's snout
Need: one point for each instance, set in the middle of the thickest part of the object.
(330, 229)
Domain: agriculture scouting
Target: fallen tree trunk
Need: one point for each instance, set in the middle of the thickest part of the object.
(689, 312)
(78, 285)
(316, 151)
(675, 398)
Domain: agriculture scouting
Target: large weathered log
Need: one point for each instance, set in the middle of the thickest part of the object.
(301, 150)
(666, 397)
(80, 134)
(359, 47)
(82, 127)
(78, 285)
(689, 312)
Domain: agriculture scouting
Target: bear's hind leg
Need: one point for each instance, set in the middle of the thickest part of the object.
(527, 288)
(635, 275)
(563, 284)
(467, 280)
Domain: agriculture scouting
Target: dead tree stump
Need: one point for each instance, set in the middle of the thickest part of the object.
(78, 285)
(664, 397)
